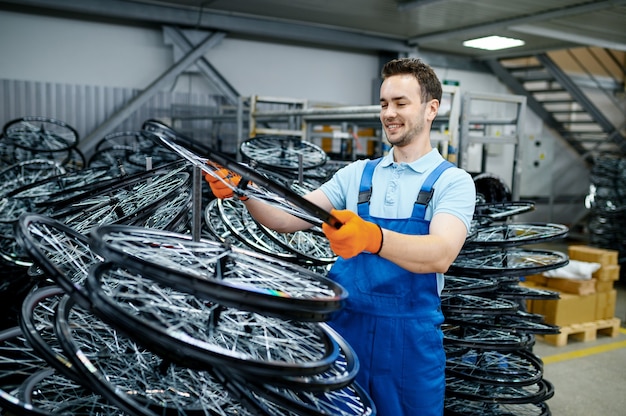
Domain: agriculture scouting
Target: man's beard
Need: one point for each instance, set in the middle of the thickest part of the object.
(408, 137)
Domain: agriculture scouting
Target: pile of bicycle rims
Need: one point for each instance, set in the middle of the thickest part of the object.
(141, 321)
(491, 369)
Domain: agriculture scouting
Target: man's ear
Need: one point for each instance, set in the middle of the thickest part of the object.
(432, 108)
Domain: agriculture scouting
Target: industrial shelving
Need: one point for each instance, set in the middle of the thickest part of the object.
(301, 120)
(488, 121)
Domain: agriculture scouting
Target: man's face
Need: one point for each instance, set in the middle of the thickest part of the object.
(402, 113)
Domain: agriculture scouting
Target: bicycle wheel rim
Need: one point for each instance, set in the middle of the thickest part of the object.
(463, 407)
(235, 277)
(186, 147)
(290, 154)
(341, 373)
(114, 292)
(69, 139)
(39, 332)
(517, 234)
(63, 253)
(506, 262)
(518, 367)
(465, 389)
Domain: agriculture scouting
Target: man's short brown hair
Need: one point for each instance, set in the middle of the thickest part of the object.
(426, 77)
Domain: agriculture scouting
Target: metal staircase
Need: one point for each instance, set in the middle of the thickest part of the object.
(571, 104)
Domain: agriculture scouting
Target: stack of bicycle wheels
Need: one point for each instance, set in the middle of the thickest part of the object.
(152, 322)
(607, 204)
(42, 138)
(491, 369)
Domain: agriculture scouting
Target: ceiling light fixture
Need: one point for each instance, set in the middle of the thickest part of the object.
(493, 43)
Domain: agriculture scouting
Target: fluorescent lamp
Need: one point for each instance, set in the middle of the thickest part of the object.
(493, 43)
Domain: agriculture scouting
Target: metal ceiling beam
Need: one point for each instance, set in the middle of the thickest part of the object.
(158, 84)
(571, 36)
(537, 17)
(223, 87)
(219, 21)
(412, 4)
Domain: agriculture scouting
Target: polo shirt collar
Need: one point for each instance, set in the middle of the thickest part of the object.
(421, 165)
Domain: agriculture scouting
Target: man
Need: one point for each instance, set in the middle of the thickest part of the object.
(405, 218)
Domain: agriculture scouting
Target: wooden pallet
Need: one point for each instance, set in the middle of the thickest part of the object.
(587, 331)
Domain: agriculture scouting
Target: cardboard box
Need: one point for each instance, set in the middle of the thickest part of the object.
(569, 309)
(593, 255)
(610, 272)
(605, 304)
(602, 287)
(575, 286)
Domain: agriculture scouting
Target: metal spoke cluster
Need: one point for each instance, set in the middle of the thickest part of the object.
(283, 152)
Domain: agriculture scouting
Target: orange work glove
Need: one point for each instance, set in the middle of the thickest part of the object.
(354, 236)
(220, 189)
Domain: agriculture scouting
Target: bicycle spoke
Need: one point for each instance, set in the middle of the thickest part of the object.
(123, 204)
(467, 285)
(348, 401)
(486, 213)
(218, 229)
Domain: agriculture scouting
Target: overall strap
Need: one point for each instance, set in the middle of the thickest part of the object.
(427, 190)
(365, 187)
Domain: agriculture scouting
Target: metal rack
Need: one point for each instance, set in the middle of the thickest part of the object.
(503, 126)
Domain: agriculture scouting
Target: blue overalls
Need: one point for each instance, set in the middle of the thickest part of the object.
(392, 317)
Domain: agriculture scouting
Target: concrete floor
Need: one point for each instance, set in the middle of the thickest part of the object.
(589, 377)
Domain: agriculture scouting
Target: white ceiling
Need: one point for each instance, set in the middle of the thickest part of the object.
(387, 25)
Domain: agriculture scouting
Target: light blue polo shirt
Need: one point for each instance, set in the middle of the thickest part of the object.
(395, 187)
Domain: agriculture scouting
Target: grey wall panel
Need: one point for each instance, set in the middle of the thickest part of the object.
(85, 107)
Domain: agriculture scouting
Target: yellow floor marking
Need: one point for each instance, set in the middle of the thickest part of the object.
(585, 352)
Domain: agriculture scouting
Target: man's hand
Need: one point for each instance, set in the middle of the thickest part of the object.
(354, 236)
(220, 188)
